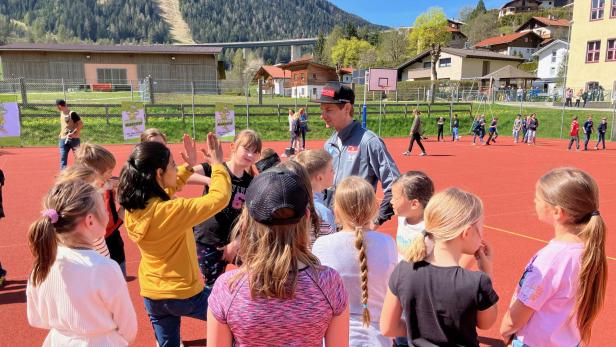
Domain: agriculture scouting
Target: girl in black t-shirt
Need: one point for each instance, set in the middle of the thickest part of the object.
(214, 247)
(442, 302)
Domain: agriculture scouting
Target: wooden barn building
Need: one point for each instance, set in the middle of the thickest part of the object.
(112, 67)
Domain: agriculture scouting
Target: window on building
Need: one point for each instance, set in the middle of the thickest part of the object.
(593, 48)
(553, 71)
(613, 10)
(314, 91)
(444, 62)
(611, 50)
(553, 56)
(314, 75)
(596, 9)
(427, 64)
(113, 76)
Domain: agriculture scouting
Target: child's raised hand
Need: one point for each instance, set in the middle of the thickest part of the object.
(213, 151)
(190, 151)
(484, 257)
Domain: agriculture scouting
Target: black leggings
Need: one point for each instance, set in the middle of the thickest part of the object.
(439, 136)
(416, 137)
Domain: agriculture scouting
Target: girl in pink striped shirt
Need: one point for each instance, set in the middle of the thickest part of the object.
(280, 295)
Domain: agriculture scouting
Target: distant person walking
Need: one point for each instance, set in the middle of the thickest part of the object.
(574, 133)
(578, 96)
(440, 124)
(588, 128)
(585, 98)
(533, 125)
(568, 97)
(70, 129)
(601, 130)
(455, 126)
(492, 131)
(303, 126)
(517, 126)
(415, 134)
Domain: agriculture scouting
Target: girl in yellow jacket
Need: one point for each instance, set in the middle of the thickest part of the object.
(161, 225)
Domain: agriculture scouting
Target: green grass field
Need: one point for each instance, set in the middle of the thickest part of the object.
(40, 124)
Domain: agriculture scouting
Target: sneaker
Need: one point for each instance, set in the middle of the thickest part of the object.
(423, 154)
(407, 153)
(284, 155)
(596, 148)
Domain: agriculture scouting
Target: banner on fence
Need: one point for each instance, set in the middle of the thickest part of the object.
(9, 120)
(225, 121)
(133, 120)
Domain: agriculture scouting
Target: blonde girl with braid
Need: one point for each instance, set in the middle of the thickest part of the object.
(443, 303)
(364, 258)
(563, 287)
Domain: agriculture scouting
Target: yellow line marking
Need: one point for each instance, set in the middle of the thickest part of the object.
(524, 236)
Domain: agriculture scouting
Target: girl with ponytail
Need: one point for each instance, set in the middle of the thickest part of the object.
(73, 291)
(363, 258)
(443, 303)
(563, 287)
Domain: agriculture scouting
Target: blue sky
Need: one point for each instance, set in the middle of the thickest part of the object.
(397, 13)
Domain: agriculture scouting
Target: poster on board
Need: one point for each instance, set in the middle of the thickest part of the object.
(133, 120)
(224, 115)
(9, 120)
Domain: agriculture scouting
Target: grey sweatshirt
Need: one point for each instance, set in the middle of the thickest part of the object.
(360, 152)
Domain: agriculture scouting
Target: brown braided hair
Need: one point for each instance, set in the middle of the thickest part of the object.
(355, 206)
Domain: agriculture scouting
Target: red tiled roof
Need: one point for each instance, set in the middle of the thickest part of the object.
(552, 22)
(497, 40)
(276, 72)
(347, 70)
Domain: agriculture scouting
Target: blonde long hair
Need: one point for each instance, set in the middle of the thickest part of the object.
(355, 205)
(446, 216)
(70, 200)
(577, 193)
(270, 256)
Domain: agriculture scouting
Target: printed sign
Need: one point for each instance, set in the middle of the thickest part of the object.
(225, 122)
(133, 120)
(9, 120)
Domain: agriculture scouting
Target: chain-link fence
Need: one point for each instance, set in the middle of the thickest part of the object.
(188, 106)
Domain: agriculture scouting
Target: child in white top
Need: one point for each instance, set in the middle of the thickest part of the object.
(73, 291)
(563, 287)
(363, 258)
(410, 195)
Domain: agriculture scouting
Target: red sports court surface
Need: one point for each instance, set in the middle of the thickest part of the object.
(503, 175)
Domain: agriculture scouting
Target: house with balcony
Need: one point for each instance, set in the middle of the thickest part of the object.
(519, 44)
(308, 77)
(455, 64)
(517, 6)
(551, 59)
(276, 81)
(546, 27)
(458, 39)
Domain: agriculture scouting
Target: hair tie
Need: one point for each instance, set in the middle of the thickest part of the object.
(364, 305)
(51, 214)
(424, 233)
(595, 213)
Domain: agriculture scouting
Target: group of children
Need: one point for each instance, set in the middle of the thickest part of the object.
(588, 128)
(306, 274)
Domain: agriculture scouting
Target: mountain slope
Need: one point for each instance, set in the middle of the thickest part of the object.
(171, 13)
(241, 20)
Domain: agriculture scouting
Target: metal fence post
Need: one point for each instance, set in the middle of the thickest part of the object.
(107, 114)
(183, 116)
(278, 111)
(613, 132)
(151, 88)
(23, 91)
(64, 90)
